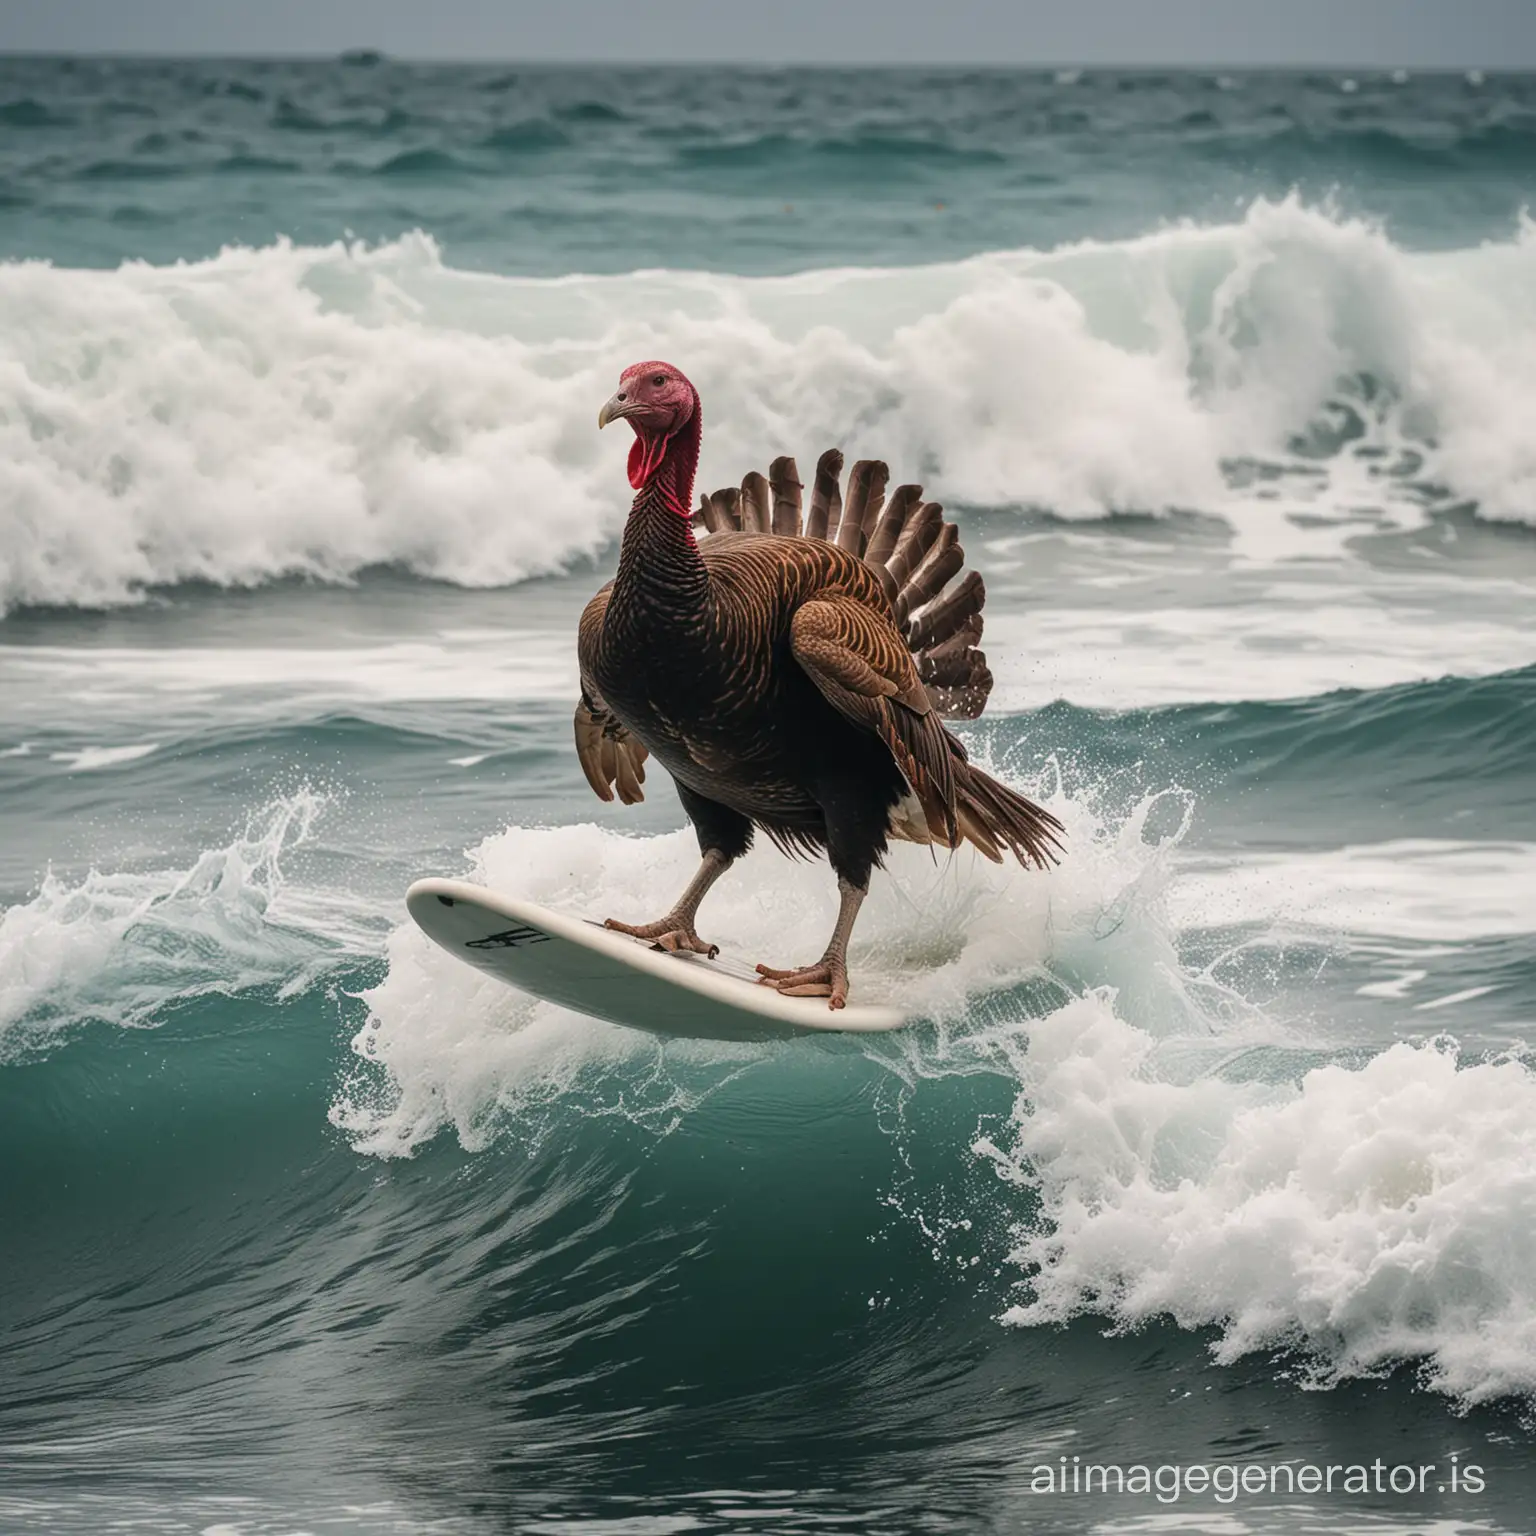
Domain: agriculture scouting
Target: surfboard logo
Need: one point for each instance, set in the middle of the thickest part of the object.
(509, 938)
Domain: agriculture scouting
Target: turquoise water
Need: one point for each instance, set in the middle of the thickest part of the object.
(550, 171)
(1213, 1147)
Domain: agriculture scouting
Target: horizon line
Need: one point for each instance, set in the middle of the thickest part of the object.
(363, 57)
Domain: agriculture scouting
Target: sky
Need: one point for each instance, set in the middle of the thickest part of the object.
(1412, 34)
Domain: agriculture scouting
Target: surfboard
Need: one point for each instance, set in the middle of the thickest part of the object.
(594, 970)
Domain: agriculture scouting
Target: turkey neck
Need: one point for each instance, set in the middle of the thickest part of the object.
(662, 588)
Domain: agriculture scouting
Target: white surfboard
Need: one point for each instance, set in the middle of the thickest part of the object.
(610, 975)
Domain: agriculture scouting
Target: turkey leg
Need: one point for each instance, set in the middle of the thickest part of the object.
(828, 978)
(675, 931)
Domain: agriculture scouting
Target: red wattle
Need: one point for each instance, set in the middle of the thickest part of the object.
(645, 456)
(663, 465)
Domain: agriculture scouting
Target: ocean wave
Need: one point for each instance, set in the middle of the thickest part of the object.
(1451, 736)
(28, 112)
(291, 116)
(257, 165)
(128, 947)
(1174, 1152)
(1438, 148)
(1452, 747)
(884, 154)
(128, 170)
(525, 137)
(588, 112)
(447, 1048)
(315, 411)
(1317, 646)
(420, 162)
(1368, 1217)
(1423, 890)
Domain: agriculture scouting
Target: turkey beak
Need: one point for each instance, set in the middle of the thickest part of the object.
(616, 407)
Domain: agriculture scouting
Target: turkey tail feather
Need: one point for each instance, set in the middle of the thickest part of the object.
(890, 524)
(756, 510)
(921, 530)
(957, 610)
(727, 509)
(905, 539)
(866, 495)
(994, 817)
(944, 560)
(708, 515)
(784, 478)
(826, 495)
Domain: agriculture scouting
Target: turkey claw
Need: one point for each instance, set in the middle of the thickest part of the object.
(826, 979)
(668, 934)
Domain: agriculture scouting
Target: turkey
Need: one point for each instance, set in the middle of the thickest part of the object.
(790, 676)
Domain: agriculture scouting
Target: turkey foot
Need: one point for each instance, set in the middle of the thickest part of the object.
(675, 931)
(828, 978)
(672, 933)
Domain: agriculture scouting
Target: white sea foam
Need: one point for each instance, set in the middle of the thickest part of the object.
(317, 410)
(1365, 1215)
(1368, 1216)
(123, 946)
(1297, 644)
(459, 1050)
(86, 759)
(1121, 658)
(499, 666)
(1426, 890)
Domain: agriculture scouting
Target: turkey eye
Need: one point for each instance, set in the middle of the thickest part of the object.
(659, 380)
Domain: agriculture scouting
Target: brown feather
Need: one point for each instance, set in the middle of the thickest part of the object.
(756, 510)
(957, 611)
(922, 529)
(714, 514)
(968, 700)
(727, 505)
(856, 657)
(888, 529)
(1028, 830)
(943, 561)
(876, 626)
(866, 495)
(608, 752)
(784, 478)
(879, 478)
(951, 664)
(826, 497)
(975, 832)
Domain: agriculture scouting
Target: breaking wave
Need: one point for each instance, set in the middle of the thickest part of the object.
(318, 410)
(1367, 1217)
(129, 947)
(1173, 1152)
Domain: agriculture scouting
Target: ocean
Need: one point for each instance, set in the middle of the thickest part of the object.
(1211, 1152)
